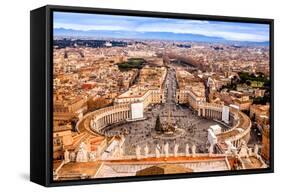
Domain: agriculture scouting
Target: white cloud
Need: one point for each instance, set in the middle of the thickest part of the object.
(90, 27)
(234, 33)
(226, 30)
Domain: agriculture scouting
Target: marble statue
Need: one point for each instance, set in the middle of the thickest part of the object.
(146, 151)
(211, 150)
(92, 156)
(157, 151)
(186, 150)
(250, 152)
(138, 152)
(229, 147)
(72, 156)
(82, 154)
(166, 149)
(244, 150)
(193, 150)
(66, 156)
(256, 149)
(176, 148)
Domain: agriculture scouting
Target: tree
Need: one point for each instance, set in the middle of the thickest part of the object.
(158, 126)
(248, 82)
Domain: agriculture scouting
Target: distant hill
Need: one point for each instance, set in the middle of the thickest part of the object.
(149, 36)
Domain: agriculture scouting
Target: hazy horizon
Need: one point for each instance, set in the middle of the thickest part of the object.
(115, 26)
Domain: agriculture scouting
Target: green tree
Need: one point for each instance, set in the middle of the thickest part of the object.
(158, 126)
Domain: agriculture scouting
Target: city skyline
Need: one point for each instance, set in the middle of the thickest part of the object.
(82, 24)
(137, 96)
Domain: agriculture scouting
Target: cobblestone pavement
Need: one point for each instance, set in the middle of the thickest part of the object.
(139, 132)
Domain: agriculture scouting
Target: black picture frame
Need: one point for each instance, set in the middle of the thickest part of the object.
(41, 39)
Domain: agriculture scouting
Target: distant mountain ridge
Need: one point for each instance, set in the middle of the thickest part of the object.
(149, 36)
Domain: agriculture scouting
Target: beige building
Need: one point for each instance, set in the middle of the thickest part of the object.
(152, 77)
(62, 136)
(67, 108)
(243, 103)
(68, 104)
(138, 94)
(216, 82)
(148, 90)
(260, 112)
(191, 90)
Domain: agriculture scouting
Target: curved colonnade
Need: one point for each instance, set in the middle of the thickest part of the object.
(241, 123)
(99, 119)
(239, 131)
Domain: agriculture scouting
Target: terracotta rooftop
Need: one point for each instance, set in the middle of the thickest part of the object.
(163, 169)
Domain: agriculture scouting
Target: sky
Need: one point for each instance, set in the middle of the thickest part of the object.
(232, 31)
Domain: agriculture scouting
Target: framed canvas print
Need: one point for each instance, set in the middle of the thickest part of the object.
(123, 95)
